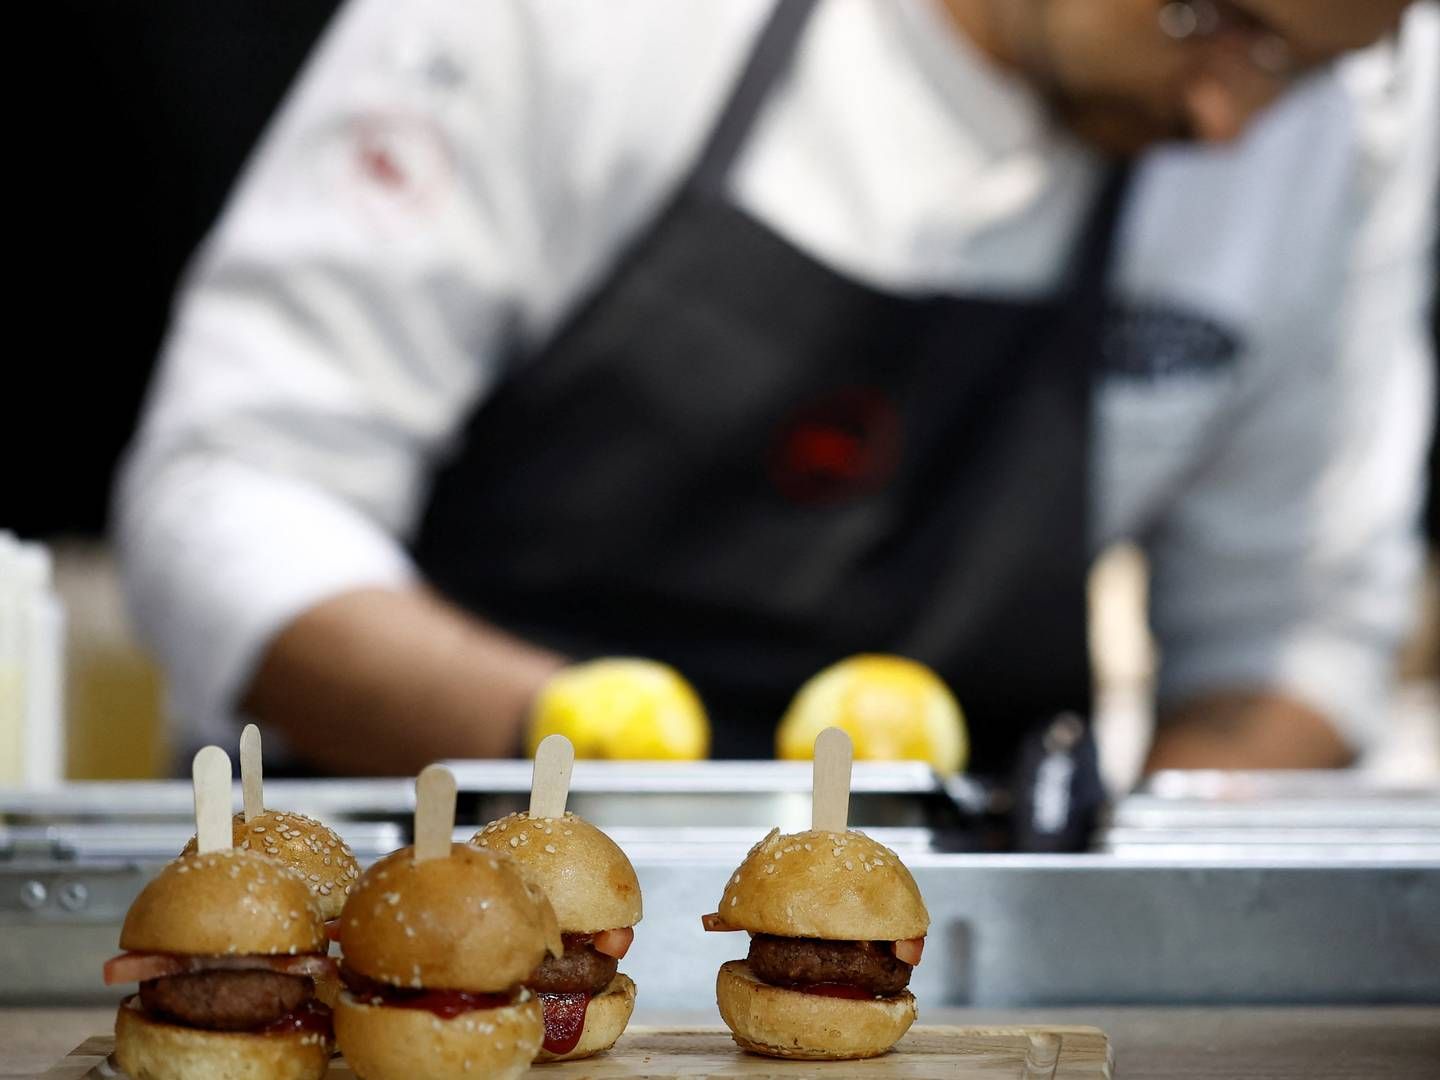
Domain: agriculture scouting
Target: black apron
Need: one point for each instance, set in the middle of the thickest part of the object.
(746, 464)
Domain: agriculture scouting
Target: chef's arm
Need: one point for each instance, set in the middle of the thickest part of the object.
(389, 680)
(1246, 729)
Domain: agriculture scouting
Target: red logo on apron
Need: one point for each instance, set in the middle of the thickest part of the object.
(842, 446)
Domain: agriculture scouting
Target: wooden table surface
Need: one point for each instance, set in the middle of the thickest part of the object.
(1150, 1043)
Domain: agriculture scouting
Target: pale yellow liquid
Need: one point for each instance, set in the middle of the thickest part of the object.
(115, 709)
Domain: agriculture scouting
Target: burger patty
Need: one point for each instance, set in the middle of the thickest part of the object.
(870, 965)
(581, 970)
(226, 1000)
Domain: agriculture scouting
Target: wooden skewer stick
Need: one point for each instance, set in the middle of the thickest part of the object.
(211, 773)
(434, 812)
(830, 787)
(550, 782)
(252, 774)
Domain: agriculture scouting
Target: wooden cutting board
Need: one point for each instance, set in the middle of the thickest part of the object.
(971, 1053)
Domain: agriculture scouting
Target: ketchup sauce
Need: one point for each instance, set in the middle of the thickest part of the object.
(312, 1018)
(564, 1020)
(836, 990)
(446, 1004)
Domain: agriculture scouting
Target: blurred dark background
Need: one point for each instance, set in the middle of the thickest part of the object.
(149, 119)
(158, 108)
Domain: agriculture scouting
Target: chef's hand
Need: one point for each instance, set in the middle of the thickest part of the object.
(621, 709)
(1246, 730)
(892, 708)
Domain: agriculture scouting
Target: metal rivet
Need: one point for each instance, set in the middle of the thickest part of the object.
(32, 894)
(73, 896)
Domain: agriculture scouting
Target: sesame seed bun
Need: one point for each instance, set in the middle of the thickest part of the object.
(466, 922)
(232, 902)
(154, 1050)
(777, 1022)
(314, 849)
(589, 881)
(605, 1019)
(385, 1043)
(837, 886)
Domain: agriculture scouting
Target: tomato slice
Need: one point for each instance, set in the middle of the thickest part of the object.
(142, 967)
(614, 943)
(909, 950)
(332, 929)
(716, 923)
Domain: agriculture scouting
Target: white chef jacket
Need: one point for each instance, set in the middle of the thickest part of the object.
(447, 181)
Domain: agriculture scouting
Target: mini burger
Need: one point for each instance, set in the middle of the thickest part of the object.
(316, 852)
(323, 860)
(836, 924)
(225, 947)
(436, 952)
(596, 897)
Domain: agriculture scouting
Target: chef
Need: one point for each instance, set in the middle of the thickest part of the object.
(746, 336)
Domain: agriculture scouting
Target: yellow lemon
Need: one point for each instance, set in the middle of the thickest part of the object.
(623, 709)
(892, 708)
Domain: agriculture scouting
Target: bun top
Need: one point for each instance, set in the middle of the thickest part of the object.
(839, 886)
(225, 903)
(589, 881)
(324, 860)
(467, 922)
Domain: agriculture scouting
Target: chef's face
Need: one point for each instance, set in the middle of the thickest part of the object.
(1128, 73)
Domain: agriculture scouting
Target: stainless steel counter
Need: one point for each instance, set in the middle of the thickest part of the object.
(1164, 913)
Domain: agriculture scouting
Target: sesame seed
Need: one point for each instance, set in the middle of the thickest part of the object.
(550, 848)
(849, 865)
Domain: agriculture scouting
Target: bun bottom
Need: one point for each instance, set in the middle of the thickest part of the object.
(151, 1049)
(381, 1042)
(605, 1019)
(783, 1023)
